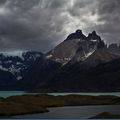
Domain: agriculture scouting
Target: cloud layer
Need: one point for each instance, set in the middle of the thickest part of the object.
(42, 24)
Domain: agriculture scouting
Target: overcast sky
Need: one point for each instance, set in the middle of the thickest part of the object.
(42, 24)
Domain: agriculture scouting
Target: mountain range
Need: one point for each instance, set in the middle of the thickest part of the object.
(79, 64)
(14, 64)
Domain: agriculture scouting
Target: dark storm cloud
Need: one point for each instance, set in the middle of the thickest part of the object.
(78, 6)
(41, 24)
(24, 24)
(109, 12)
(2, 1)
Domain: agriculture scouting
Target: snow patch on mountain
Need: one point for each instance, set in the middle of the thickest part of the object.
(14, 54)
(89, 54)
(17, 62)
(49, 56)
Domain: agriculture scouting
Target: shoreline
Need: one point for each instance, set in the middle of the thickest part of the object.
(106, 115)
(32, 104)
(6, 94)
(96, 115)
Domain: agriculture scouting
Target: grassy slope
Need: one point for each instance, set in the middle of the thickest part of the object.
(106, 115)
(28, 104)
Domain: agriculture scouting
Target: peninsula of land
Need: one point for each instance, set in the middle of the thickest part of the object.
(32, 104)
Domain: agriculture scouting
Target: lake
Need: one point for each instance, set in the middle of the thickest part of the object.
(80, 112)
(10, 93)
(14, 93)
(91, 94)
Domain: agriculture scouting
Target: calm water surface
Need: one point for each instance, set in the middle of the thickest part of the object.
(82, 112)
(10, 93)
(91, 94)
(14, 93)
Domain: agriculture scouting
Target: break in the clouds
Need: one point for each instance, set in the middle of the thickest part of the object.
(42, 24)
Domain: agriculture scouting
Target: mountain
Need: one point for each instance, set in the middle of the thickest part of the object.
(7, 80)
(100, 72)
(41, 72)
(114, 48)
(18, 62)
(98, 56)
(76, 43)
(78, 64)
(77, 35)
(67, 49)
(13, 66)
(104, 77)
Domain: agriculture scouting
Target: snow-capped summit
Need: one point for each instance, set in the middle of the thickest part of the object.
(13, 53)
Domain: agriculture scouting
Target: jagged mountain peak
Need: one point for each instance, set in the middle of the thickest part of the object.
(73, 65)
(77, 35)
(77, 46)
(94, 36)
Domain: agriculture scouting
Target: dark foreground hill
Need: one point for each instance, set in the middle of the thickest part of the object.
(33, 104)
(102, 78)
(7, 81)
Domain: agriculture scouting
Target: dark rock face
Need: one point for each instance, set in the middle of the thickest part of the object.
(100, 56)
(13, 67)
(89, 67)
(79, 64)
(42, 71)
(76, 43)
(94, 36)
(102, 78)
(77, 35)
(7, 81)
(114, 48)
(19, 63)
(64, 52)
